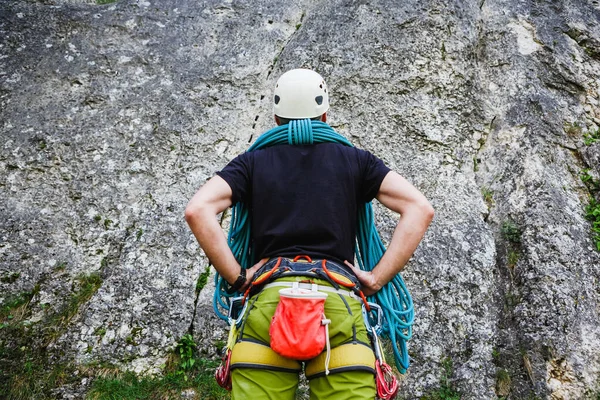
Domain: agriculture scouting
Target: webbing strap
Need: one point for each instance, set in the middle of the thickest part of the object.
(346, 357)
(248, 354)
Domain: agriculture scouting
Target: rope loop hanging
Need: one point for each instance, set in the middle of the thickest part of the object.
(300, 132)
(394, 298)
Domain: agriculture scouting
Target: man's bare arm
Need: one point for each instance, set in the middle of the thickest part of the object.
(213, 198)
(416, 213)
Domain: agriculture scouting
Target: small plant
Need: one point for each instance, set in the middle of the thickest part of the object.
(60, 266)
(512, 300)
(573, 129)
(10, 278)
(185, 349)
(591, 138)
(220, 345)
(495, 355)
(132, 339)
(589, 181)
(202, 280)
(513, 258)
(446, 390)
(487, 195)
(101, 331)
(139, 233)
(592, 214)
(511, 232)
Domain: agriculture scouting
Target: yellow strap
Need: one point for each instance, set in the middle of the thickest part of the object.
(347, 357)
(256, 355)
(350, 356)
(233, 333)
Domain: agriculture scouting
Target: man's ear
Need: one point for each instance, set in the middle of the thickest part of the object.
(277, 121)
(324, 117)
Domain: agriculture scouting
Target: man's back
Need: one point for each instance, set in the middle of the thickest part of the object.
(303, 199)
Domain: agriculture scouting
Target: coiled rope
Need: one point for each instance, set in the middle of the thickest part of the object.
(394, 298)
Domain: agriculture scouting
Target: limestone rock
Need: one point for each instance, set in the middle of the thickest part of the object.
(113, 115)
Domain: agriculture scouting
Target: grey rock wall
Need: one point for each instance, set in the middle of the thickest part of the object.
(111, 117)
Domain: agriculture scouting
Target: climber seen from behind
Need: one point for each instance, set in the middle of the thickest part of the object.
(302, 188)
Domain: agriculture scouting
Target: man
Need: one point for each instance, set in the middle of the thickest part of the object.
(303, 201)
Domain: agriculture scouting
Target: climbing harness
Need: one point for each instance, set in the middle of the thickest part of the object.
(394, 298)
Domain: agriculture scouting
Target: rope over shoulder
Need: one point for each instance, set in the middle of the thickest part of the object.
(394, 298)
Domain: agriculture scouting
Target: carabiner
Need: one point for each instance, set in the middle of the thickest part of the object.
(373, 322)
(237, 309)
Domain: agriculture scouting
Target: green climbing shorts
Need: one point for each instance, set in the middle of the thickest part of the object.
(261, 381)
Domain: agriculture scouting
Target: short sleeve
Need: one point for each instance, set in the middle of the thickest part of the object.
(238, 174)
(373, 172)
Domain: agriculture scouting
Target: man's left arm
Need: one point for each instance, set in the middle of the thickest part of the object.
(397, 194)
(201, 212)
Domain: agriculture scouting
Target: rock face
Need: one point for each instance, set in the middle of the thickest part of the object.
(112, 115)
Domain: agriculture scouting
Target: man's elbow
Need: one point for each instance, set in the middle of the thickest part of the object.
(193, 211)
(428, 212)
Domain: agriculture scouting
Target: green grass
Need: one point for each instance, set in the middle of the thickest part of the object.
(28, 370)
(183, 371)
(15, 306)
(25, 369)
(503, 383)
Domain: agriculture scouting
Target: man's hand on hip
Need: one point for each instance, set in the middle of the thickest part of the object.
(367, 280)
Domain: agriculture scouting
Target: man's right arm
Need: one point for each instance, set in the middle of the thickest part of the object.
(416, 213)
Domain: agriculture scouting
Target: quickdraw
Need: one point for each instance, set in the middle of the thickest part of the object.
(386, 381)
(223, 372)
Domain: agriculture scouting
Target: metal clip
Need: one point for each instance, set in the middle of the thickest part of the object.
(377, 345)
(237, 309)
(376, 321)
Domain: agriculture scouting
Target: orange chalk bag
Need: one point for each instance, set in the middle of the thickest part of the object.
(299, 328)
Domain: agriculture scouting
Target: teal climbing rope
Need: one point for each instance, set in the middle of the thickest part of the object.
(394, 298)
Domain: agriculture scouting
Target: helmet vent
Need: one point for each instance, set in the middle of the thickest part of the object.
(319, 100)
(277, 99)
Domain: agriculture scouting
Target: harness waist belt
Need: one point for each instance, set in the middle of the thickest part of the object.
(321, 288)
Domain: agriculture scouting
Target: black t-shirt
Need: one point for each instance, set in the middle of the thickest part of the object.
(304, 199)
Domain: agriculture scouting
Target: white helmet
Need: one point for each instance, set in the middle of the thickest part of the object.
(300, 93)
